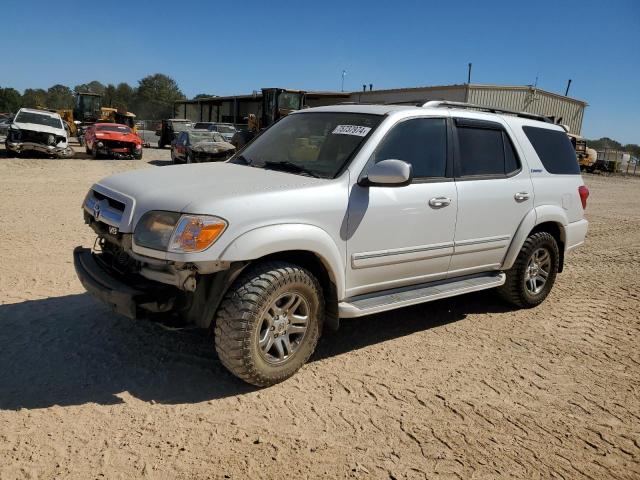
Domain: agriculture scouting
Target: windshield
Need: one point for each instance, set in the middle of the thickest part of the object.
(113, 128)
(319, 143)
(38, 118)
(202, 125)
(290, 101)
(225, 129)
(180, 126)
(205, 137)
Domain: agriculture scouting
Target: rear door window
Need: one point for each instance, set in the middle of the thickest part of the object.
(485, 150)
(554, 150)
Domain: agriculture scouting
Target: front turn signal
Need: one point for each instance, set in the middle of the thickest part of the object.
(195, 233)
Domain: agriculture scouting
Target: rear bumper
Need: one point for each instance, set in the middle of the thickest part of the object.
(575, 233)
(133, 301)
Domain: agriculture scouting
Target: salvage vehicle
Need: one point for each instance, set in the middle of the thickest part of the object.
(40, 131)
(227, 130)
(170, 128)
(200, 146)
(112, 140)
(338, 212)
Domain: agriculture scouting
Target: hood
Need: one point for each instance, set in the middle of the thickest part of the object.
(206, 188)
(212, 147)
(122, 137)
(36, 127)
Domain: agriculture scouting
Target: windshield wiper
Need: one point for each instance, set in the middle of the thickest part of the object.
(287, 166)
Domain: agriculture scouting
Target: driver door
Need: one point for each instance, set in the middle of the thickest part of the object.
(403, 235)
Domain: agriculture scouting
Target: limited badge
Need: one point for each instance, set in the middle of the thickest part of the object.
(356, 130)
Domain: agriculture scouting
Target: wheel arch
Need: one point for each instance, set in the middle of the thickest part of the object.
(545, 218)
(305, 245)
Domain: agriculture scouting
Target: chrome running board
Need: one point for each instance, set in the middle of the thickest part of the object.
(426, 292)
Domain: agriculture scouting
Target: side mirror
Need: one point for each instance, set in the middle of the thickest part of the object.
(389, 173)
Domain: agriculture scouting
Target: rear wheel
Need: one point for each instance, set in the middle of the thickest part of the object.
(268, 324)
(534, 272)
(94, 152)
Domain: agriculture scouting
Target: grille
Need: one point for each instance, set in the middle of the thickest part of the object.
(34, 137)
(117, 144)
(112, 203)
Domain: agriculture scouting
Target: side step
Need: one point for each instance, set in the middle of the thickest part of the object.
(426, 292)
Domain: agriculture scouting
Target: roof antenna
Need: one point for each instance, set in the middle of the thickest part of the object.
(566, 92)
(469, 73)
(536, 82)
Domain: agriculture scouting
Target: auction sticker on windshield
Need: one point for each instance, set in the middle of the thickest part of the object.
(356, 130)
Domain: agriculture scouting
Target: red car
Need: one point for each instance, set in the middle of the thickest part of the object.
(112, 140)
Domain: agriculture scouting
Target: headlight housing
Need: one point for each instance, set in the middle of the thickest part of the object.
(178, 233)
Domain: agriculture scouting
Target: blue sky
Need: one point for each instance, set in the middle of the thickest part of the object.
(233, 47)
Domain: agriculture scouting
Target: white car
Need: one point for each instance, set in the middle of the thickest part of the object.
(339, 211)
(38, 130)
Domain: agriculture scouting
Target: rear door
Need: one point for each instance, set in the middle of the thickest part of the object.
(403, 235)
(494, 194)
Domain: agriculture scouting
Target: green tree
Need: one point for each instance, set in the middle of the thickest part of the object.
(59, 96)
(10, 100)
(34, 97)
(124, 96)
(93, 87)
(109, 95)
(203, 95)
(155, 97)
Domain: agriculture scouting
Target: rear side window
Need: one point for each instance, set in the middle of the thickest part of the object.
(486, 151)
(422, 142)
(554, 150)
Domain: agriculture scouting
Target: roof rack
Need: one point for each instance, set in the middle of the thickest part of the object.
(472, 106)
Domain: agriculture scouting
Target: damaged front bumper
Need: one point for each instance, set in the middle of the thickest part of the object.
(132, 298)
(61, 152)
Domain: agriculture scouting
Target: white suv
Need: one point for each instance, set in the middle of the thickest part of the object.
(333, 212)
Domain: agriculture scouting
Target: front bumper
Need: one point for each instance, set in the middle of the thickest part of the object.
(62, 152)
(131, 299)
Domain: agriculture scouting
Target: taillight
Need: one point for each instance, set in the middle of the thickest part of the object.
(584, 194)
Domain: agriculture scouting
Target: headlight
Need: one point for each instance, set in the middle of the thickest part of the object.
(178, 233)
(155, 228)
(195, 233)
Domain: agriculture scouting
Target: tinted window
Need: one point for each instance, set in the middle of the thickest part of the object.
(554, 150)
(422, 142)
(511, 163)
(481, 151)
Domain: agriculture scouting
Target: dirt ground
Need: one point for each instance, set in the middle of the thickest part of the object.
(460, 388)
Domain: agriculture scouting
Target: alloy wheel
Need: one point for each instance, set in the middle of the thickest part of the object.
(283, 327)
(537, 271)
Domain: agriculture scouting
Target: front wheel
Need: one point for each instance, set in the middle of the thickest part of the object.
(534, 272)
(268, 323)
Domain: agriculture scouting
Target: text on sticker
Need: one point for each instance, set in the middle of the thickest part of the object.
(351, 130)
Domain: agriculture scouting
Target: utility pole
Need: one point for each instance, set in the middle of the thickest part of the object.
(469, 73)
(566, 93)
(344, 72)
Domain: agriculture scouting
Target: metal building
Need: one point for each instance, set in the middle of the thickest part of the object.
(566, 110)
(527, 98)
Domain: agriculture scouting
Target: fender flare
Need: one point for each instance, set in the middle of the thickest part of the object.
(536, 216)
(271, 239)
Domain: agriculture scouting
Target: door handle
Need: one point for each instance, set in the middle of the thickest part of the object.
(521, 196)
(439, 202)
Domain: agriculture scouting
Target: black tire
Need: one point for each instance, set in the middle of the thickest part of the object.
(241, 316)
(94, 152)
(516, 290)
(189, 158)
(160, 145)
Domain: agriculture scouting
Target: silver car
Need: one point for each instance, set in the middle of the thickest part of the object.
(338, 212)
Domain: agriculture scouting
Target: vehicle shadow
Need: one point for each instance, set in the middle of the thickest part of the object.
(160, 163)
(71, 350)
